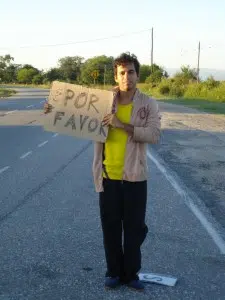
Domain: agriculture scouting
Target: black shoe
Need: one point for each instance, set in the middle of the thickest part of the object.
(112, 282)
(136, 285)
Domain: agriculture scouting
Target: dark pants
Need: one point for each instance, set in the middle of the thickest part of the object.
(122, 210)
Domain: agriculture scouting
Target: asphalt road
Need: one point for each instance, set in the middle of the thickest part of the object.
(51, 242)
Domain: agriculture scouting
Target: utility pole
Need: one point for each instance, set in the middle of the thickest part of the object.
(199, 49)
(152, 53)
(104, 74)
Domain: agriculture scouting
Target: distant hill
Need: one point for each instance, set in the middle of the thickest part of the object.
(204, 73)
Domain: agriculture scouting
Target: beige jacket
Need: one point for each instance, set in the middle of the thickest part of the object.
(147, 125)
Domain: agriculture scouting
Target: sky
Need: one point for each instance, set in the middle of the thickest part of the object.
(28, 28)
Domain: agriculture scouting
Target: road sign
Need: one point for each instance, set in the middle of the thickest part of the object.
(95, 74)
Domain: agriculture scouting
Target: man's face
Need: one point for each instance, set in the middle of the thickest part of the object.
(126, 77)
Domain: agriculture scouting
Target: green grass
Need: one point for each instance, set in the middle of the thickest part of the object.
(207, 105)
(215, 106)
(6, 92)
(18, 85)
(201, 105)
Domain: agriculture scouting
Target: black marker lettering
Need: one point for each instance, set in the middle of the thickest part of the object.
(102, 131)
(82, 97)
(93, 98)
(58, 116)
(92, 128)
(58, 92)
(83, 121)
(69, 95)
(71, 122)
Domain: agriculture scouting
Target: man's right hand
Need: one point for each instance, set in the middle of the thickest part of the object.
(47, 108)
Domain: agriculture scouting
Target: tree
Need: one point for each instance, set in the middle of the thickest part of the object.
(104, 67)
(145, 71)
(7, 68)
(186, 75)
(54, 74)
(37, 79)
(211, 83)
(156, 76)
(26, 75)
(70, 67)
(5, 61)
(10, 73)
(27, 66)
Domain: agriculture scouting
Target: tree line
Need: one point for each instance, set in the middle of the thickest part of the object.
(99, 70)
(72, 69)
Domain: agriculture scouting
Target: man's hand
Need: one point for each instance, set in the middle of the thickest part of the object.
(112, 120)
(47, 108)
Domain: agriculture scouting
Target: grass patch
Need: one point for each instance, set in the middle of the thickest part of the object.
(209, 104)
(17, 85)
(6, 92)
(201, 105)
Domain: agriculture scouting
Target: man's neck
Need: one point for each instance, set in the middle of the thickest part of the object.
(126, 97)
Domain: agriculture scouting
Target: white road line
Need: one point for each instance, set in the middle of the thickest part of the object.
(4, 169)
(30, 106)
(25, 154)
(54, 135)
(42, 101)
(10, 112)
(42, 144)
(220, 243)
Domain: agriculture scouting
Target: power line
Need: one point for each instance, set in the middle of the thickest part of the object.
(78, 42)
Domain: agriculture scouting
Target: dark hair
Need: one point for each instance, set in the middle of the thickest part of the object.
(126, 58)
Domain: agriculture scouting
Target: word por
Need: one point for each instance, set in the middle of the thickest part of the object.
(80, 100)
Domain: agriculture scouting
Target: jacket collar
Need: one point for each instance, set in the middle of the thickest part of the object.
(115, 97)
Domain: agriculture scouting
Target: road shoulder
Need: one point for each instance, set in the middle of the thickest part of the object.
(193, 144)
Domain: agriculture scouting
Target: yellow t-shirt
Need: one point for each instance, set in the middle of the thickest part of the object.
(115, 145)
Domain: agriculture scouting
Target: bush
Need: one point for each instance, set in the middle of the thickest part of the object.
(37, 79)
(193, 90)
(170, 87)
(164, 89)
(211, 83)
(186, 75)
(26, 75)
(154, 78)
(205, 90)
(46, 81)
(217, 93)
(177, 90)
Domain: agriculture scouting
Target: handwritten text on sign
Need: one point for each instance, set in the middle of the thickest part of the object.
(78, 111)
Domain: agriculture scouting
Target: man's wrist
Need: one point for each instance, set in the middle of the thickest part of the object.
(128, 128)
(119, 125)
(122, 125)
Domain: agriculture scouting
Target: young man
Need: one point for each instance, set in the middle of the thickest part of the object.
(120, 174)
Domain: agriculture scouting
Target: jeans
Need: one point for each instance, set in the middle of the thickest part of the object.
(122, 213)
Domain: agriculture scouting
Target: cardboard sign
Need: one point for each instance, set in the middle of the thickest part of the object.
(78, 111)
